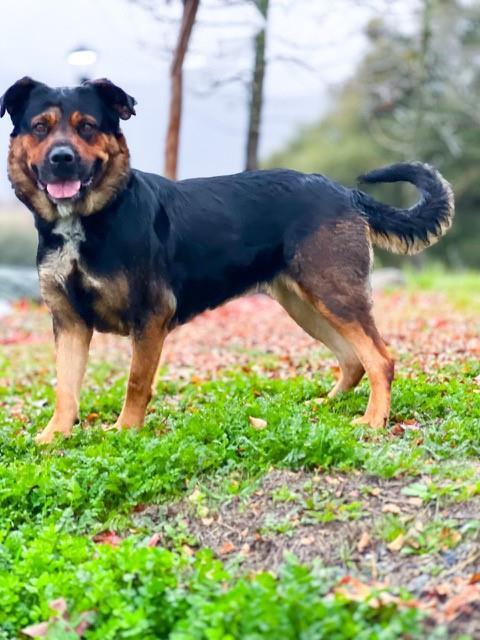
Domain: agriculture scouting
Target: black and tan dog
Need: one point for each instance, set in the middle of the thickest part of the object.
(132, 253)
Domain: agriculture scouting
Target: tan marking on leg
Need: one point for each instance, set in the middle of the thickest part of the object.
(146, 351)
(330, 272)
(293, 300)
(72, 344)
(372, 353)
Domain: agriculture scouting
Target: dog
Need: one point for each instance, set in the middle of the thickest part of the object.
(132, 253)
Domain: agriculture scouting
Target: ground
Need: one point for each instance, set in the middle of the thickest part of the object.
(249, 506)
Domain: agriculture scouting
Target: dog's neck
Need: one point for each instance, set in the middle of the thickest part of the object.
(65, 210)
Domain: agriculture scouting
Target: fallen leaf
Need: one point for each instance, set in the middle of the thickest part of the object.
(154, 540)
(364, 542)
(397, 430)
(390, 507)
(59, 605)
(353, 589)
(257, 423)
(107, 537)
(85, 621)
(457, 604)
(415, 502)
(397, 543)
(38, 630)
(226, 548)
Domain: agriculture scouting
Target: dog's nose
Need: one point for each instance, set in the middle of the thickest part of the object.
(61, 156)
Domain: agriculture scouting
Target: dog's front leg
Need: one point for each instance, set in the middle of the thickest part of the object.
(72, 343)
(146, 350)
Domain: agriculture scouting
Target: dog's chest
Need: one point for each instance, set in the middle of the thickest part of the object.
(70, 286)
(60, 263)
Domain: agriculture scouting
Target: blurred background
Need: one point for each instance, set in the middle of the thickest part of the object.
(337, 87)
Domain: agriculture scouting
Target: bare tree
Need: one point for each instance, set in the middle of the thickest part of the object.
(256, 90)
(190, 8)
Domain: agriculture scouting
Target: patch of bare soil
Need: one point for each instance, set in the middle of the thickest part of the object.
(346, 523)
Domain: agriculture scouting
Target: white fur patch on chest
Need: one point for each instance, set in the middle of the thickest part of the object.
(59, 263)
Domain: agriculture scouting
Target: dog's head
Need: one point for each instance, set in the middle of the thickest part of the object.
(67, 152)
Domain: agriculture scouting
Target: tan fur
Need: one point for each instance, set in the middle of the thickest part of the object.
(20, 157)
(26, 150)
(296, 303)
(113, 178)
(72, 346)
(326, 290)
(146, 351)
(111, 301)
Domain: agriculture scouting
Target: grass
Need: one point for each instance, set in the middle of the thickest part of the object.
(462, 289)
(199, 445)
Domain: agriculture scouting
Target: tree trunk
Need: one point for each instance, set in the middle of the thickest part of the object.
(418, 261)
(256, 92)
(190, 8)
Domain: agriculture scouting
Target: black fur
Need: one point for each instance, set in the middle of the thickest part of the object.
(426, 217)
(208, 239)
(100, 98)
(211, 239)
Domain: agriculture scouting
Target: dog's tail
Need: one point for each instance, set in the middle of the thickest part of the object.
(408, 231)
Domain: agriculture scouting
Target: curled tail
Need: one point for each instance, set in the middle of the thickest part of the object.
(408, 231)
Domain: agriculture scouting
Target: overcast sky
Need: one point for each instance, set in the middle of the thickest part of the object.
(312, 45)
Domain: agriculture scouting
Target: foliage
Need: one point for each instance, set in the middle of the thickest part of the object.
(411, 97)
(79, 521)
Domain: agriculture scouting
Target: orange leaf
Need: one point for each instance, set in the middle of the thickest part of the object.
(107, 537)
(457, 604)
(226, 548)
(154, 540)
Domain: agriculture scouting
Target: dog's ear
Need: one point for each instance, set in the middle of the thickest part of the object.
(14, 99)
(116, 98)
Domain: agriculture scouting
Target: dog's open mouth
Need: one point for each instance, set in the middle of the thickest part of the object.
(66, 189)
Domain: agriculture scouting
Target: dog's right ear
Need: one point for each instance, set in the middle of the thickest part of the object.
(14, 99)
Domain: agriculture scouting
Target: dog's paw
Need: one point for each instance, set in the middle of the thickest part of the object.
(112, 427)
(48, 434)
(375, 422)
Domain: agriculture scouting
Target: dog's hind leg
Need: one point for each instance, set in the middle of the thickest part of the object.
(311, 321)
(330, 273)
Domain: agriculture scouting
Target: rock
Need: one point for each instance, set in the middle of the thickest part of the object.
(18, 282)
(386, 278)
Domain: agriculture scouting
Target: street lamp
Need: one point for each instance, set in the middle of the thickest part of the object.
(83, 58)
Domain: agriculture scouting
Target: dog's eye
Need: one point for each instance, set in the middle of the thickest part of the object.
(40, 128)
(86, 128)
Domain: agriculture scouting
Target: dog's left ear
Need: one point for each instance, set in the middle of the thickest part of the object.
(114, 97)
(14, 99)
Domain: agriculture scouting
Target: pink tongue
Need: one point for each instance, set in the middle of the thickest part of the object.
(65, 189)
